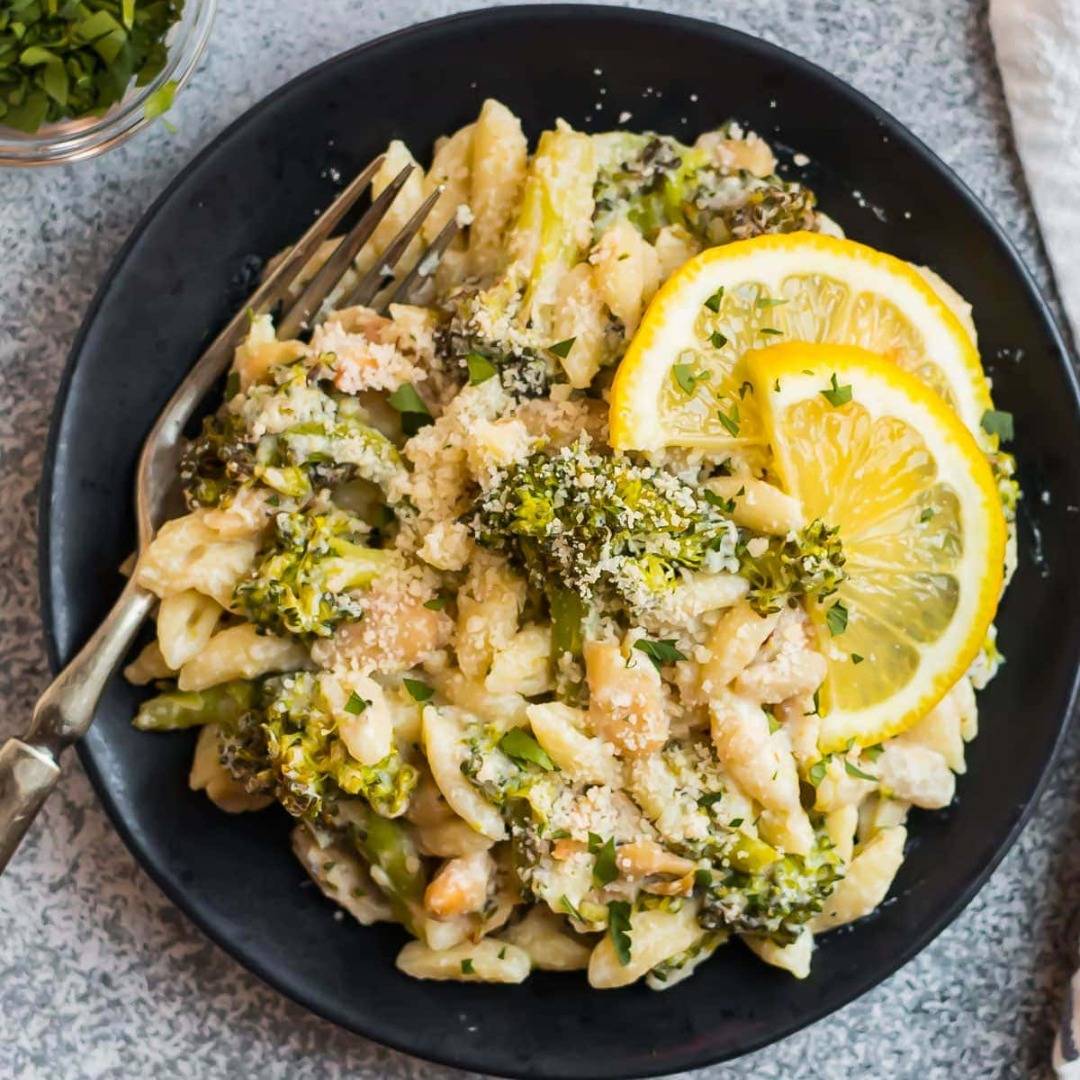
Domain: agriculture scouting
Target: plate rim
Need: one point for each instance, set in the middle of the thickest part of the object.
(1065, 361)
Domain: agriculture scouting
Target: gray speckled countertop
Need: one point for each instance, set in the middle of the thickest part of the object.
(100, 976)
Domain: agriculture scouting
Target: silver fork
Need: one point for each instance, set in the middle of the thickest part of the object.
(30, 766)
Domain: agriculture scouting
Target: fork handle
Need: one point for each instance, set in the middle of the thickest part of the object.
(27, 776)
(29, 767)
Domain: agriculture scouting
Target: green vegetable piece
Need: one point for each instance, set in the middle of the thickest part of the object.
(480, 368)
(856, 658)
(619, 929)
(836, 618)
(387, 844)
(605, 868)
(659, 652)
(818, 770)
(730, 420)
(356, 704)
(562, 348)
(467, 966)
(854, 770)
(518, 744)
(717, 340)
(996, 422)
(687, 379)
(713, 302)
(161, 100)
(836, 395)
(178, 709)
(418, 691)
(414, 413)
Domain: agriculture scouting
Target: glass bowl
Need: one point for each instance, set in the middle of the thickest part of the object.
(73, 140)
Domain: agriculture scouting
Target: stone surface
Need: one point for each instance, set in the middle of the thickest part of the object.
(100, 976)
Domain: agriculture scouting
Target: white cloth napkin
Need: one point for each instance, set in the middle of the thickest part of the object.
(1038, 50)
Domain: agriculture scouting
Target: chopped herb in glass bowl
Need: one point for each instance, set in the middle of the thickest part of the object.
(80, 76)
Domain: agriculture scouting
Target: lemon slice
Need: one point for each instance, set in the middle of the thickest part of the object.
(682, 382)
(868, 448)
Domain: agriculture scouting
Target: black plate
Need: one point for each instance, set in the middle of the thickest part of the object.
(182, 274)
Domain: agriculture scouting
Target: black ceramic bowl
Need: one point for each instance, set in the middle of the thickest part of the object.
(182, 274)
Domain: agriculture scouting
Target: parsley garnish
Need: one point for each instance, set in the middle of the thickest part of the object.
(872, 753)
(768, 302)
(837, 395)
(926, 515)
(996, 422)
(856, 658)
(480, 368)
(518, 744)
(817, 771)
(467, 966)
(356, 704)
(418, 691)
(734, 823)
(232, 385)
(709, 798)
(854, 770)
(714, 301)
(619, 929)
(746, 388)
(730, 420)
(568, 907)
(687, 379)
(703, 877)
(836, 618)
(562, 348)
(502, 953)
(727, 505)
(769, 331)
(605, 868)
(659, 652)
(414, 413)
(437, 603)
(717, 340)
(774, 724)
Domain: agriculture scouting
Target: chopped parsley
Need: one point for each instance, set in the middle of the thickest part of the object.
(854, 770)
(818, 770)
(619, 929)
(356, 704)
(730, 420)
(872, 753)
(414, 413)
(418, 691)
(837, 618)
(926, 515)
(518, 744)
(713, 303)
(769, 331)
(605, 868)
(856, 658)
(567, 906)
(437, 603)
(562, 348)
(835, 394)
(687, 379)
(996, 422)
(480, 368)
(768, 302)
(467, 966)
(717, 340)
(659, 652)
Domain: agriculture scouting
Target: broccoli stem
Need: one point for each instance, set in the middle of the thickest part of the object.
(178, 709)
(396, 865)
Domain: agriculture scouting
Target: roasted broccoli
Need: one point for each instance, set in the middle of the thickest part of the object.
(654, 181)
(174, 710)
(810, 563)
(587, 521)
(750, 887)
(295, 437)
(305, 579)
(290, 747)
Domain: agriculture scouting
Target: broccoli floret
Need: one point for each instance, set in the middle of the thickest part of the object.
(308, 570)
(810, 563)
(483, 322)
(290, 748)
(655, 181)
(218, 462)
(588, 521)
(751, 888)
(250, 442)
